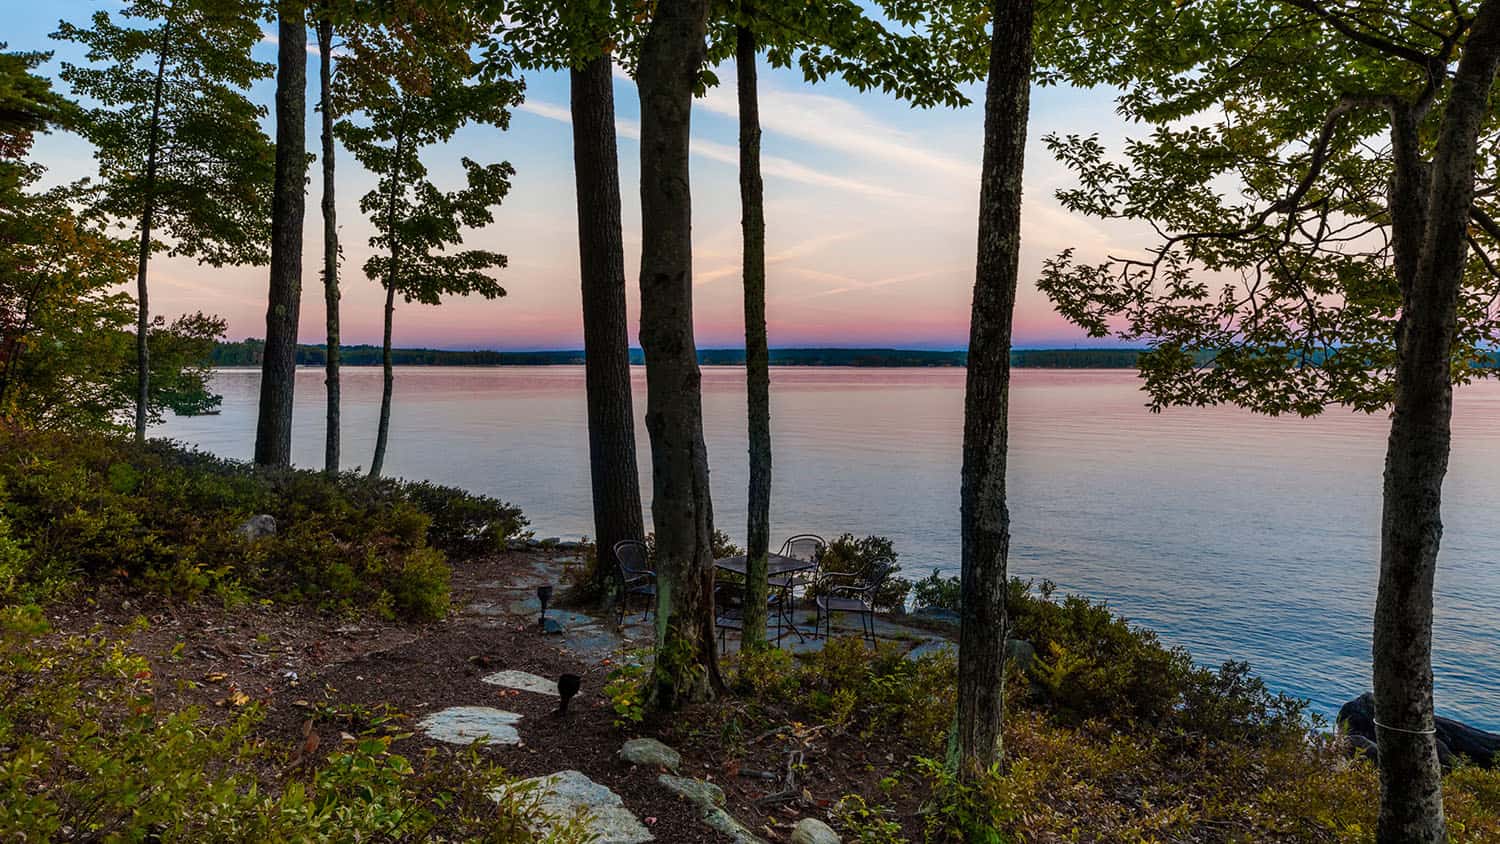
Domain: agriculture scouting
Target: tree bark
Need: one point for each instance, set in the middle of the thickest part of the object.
(143, 256)
(606, 333)
(330, 250)
(757, 352)
(273, 433)
(388, 384)
(686, 666)
(985, 517)
(1411, 805)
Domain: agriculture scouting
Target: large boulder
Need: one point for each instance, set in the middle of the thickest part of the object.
(1454, 738)
(709, 800)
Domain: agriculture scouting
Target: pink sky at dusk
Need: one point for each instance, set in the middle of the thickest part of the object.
(870, 207)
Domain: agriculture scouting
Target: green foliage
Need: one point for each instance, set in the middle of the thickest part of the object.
(168, 520)
(211, 189)
(870, 557)
(866, 824)
(937, 592)
(403, 89)
(625, 687)
(89, 757)
(1092, 664)
(465, 524)
(1263, 161)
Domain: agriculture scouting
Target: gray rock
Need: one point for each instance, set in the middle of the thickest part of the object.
(468, 724)
(650, 753)
(709, 799)
(814, 831)
(566, 795)
(523, 681)
(258, 527)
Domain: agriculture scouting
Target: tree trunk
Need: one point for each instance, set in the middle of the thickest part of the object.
(1411, 805)
(273, 432)
(757, 353)
(985, 518)
(143, 257)
(686, 666)
(606, 334)
(330, 250)
(383, 427)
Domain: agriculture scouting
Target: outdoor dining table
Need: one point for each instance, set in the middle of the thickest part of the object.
(776, 566)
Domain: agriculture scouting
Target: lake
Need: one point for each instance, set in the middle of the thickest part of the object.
(1234, 535)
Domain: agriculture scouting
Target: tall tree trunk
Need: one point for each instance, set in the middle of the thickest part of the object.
(686, 665)
(330, 249)
(985, 517)
(606, 334)
(1411, 805)
(757, 353)
(388, 384)
(273, 432)
(143, 256)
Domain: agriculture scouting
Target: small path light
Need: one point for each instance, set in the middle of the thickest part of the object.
(543, 594)
(567, 687)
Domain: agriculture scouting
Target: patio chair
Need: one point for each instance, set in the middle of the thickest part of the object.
(849, 593)
(633, 576)
(803, 546)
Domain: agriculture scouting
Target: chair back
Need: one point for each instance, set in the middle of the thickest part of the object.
(630, 556)
(804, 546)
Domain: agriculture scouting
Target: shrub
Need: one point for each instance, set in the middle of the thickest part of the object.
(90, 758)
(167, 519)
(937, 592)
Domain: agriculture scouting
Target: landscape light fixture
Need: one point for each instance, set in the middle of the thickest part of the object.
(567, 687)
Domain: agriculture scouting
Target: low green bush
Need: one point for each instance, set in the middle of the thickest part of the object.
(937, 592)
(89, 757)
(168, 519)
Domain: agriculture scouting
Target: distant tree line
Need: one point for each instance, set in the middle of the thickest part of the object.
(248, 353)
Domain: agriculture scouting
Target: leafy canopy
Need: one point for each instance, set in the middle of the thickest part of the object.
(211, 194)
(1265, 170)
(407, 87)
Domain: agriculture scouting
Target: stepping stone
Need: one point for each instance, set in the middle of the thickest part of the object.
(523, 681)
(570, 794)
(650, 753)
(467, 724)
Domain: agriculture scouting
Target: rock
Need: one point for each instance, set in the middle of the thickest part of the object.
(1454, 738)
(550, 626)
(523, 681)
(709, 799)
(258, 527)
(1021, 652)
(814, 831)
(650, 753)
(468, 724)
(568, 794)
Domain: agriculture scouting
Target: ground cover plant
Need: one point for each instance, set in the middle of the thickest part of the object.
(169, 520)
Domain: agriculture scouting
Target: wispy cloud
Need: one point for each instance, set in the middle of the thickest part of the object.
(840, 126)
(771, 166)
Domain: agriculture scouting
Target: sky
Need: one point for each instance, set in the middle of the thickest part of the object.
(870, 211)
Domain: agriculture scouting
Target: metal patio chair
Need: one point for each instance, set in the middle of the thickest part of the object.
(849, 592)
(633, 576)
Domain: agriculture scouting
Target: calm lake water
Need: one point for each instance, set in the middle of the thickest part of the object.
(1237, 536)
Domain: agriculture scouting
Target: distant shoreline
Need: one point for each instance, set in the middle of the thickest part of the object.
(248, 353)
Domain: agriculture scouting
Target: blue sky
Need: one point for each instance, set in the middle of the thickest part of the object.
(870, 210)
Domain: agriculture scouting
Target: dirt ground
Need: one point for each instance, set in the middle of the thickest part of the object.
(294, 659)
